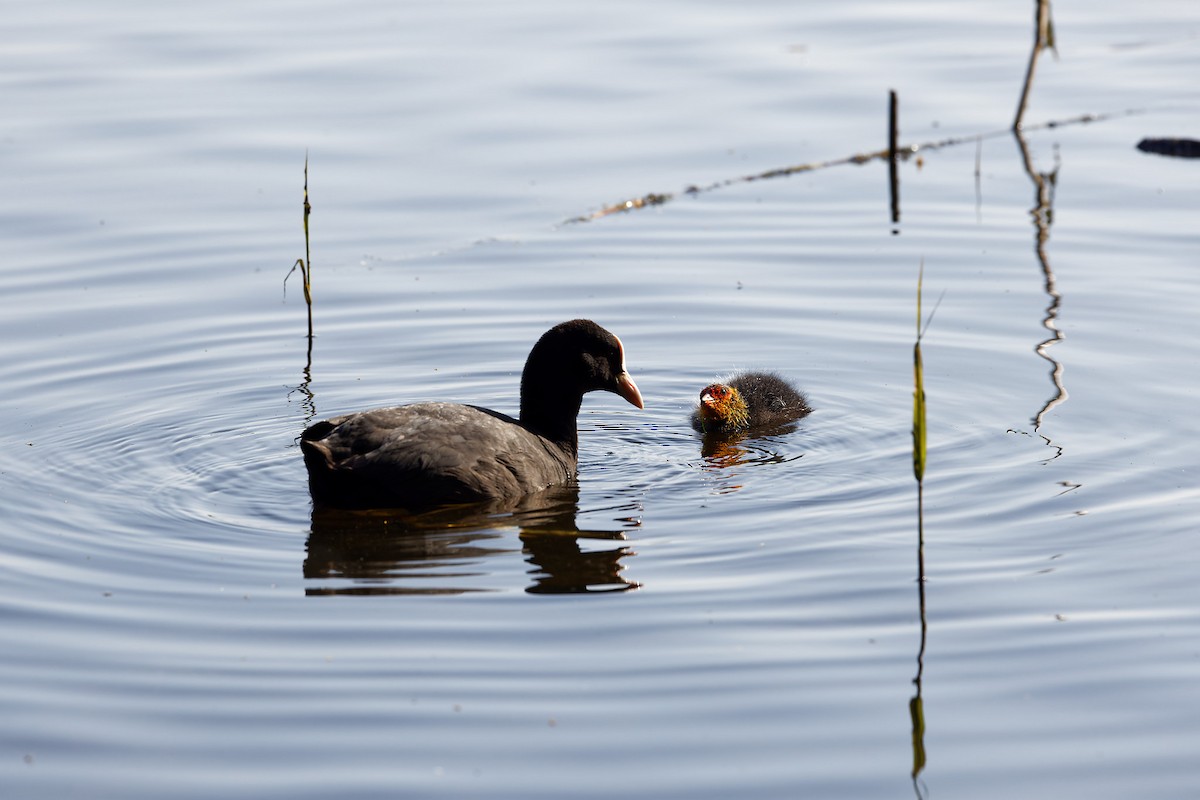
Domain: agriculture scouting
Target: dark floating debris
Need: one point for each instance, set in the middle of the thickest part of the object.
(1179, 148)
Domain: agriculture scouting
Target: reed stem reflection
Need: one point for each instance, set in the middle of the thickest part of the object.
(916, 706)
(1042, 216)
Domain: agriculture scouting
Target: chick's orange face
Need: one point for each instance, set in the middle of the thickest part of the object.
(715, 400)
(722, 408)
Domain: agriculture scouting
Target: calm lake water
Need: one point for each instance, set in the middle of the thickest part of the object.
(687, 621)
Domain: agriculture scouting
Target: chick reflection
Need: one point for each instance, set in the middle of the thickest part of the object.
(731, 449)
(725, 453)
(458, 549)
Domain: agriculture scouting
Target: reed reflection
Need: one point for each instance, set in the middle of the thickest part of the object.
(458, 549)
(916, 703)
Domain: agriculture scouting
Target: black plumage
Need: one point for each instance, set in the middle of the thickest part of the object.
(426, 454)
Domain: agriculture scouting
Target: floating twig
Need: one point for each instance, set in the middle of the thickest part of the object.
(903, 153)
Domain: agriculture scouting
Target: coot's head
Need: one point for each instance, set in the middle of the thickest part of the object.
(722, 408)
(570, 360)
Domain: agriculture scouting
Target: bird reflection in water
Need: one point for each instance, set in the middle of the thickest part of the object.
(726, 453)
(450, 550)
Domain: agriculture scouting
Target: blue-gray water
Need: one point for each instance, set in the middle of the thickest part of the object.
(176, 621)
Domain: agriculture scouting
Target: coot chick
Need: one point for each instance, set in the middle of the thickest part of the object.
(426, 454)
(748, 400)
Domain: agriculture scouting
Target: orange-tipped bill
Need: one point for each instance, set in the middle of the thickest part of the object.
(628, 389)
(625, 385)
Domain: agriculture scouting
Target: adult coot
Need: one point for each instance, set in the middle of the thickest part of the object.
(748, 400)
(426, 454)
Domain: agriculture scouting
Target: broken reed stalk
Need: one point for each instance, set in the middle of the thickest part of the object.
(893, 135)
(305, 267)
(918, 429)
(1043, 37)
(305, 264)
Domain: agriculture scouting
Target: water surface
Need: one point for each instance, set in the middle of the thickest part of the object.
(686, 621)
